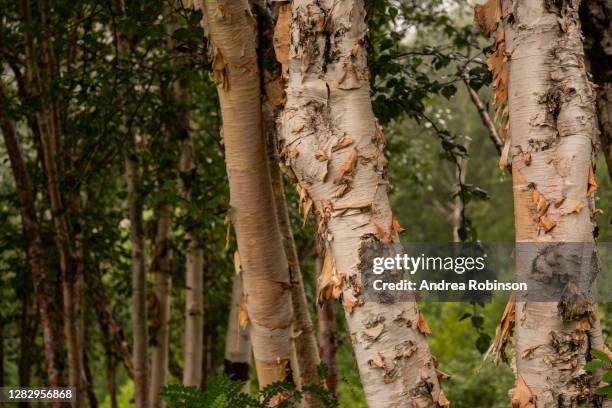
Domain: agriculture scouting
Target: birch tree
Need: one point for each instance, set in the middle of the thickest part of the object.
(549, 127)
(333, 148)
(194, 255)
(52, 340)
(42, 73)
(140, 333)
(231, 28)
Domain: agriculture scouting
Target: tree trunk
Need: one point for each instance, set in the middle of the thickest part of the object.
(333, 146)
(110, 328)
(161, 267)
(52, 340)
(552, 127)
(91, 395)
(29, 330)
(326, 318)
(194, 256)
(306, 361)
(50, 130)
(111, 371)
(597, 27)
(237, 343)
(266, 276)
(138, 250)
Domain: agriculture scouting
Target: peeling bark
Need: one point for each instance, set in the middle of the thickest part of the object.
(332, 147)
(266, 277)
(552, 118)
(306, 354)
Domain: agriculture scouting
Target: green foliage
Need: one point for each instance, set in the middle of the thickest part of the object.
(601, 361)
(222, 392)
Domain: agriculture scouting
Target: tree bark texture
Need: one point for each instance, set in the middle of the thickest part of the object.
(333, 146)
(552, 127)
(231, 28)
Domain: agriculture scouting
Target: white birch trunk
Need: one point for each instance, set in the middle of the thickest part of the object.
(333, 145)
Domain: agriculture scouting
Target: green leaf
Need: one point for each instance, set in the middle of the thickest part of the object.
(607, 390)
(465, 316)
(607, 377)
(598, 354)
(594, 365)
(477, 321)
(482, 343)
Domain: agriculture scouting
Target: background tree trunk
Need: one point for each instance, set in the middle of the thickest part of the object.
(138, 252)
(333, 145)
(194, 255)
(50, 130)
(52, 340)
(266, 276)
(552, 126)
(237, 343)
(161, 266)
(306, 356)
(596, 24)
(326, 318)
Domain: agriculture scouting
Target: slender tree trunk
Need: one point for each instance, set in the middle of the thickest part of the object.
(2, 352)
(111, 371)
(326, 318)
(194, 256)
(162, 270)
(139, 279)
(237, 343)
(596, 20)
(552, 127)
(333, 147)
(138, 250)
(306, 361)
(266, 275)
(52, 340)
(48, 119)
(29, 330)
(91, 395)
(110, 328)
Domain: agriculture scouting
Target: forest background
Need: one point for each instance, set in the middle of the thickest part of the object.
(424, 56)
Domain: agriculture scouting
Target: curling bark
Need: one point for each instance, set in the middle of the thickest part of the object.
(552, 129)
(266, 277)
(306, 355)
(333, 148)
